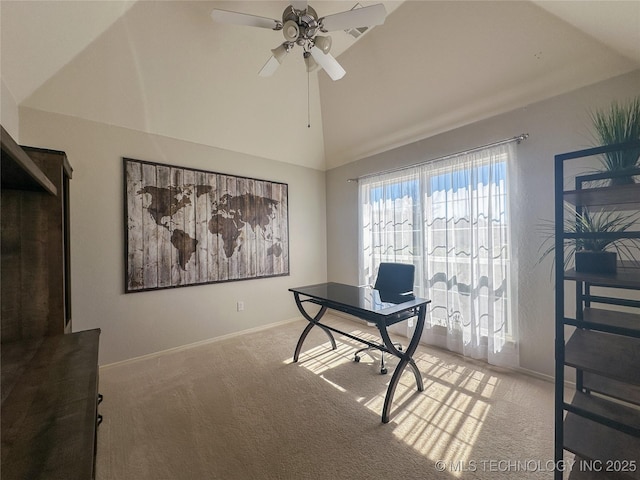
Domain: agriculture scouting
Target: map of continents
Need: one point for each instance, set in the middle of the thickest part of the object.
(188, 227)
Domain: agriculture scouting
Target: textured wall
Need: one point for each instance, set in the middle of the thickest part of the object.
(557, 125)
(8, 111)
(140, 323)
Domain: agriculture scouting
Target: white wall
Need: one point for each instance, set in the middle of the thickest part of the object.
(145, 322)
(8, 112)
(437, 66)
(555, 126)
(197, 81)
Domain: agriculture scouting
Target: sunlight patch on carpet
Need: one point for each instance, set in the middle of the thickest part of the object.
(442, 423)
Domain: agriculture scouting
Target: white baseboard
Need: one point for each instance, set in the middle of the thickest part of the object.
(199, 343)
(525, 371)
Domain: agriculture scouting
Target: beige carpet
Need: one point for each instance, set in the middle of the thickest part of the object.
(240, 409)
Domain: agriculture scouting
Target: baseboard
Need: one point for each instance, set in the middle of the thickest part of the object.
(524, 371)
(200, 342)
(533, 373)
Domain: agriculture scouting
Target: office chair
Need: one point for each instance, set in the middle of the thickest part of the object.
(392, 280)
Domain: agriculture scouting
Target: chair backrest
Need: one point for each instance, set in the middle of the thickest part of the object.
(395, 277)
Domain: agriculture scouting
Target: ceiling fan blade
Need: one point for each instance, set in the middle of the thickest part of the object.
(359, 17)
(270, 67)
(299, 4)
(236, 18)
(330, 64)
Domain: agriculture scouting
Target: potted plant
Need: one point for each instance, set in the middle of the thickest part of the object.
(595, 254)
(620, 123)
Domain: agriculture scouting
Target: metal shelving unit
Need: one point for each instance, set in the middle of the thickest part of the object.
(600, 424)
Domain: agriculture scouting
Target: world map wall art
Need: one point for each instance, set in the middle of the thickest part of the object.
(191, 227)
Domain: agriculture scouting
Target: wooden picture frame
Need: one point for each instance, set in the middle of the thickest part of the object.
(187, 227)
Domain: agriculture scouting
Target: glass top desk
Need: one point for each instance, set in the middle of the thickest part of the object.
(375, 306)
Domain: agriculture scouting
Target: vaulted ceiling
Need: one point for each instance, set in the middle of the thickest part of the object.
(164, 67)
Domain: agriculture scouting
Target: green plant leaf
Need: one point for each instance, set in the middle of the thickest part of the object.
(592, 222)
(620, 123)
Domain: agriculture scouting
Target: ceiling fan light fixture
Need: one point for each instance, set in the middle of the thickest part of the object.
(291, 30)
(323, 43)
(300, 25)
(280, 52)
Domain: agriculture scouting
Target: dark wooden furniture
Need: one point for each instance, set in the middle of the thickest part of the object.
(49, 376)
(376, 306)
(35, 285)
(601, 423)
(49, 405)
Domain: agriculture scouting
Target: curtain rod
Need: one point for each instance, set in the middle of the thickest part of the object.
(517, 139)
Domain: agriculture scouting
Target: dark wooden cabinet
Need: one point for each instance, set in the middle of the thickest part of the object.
(35, 287)
(49, 375)
(49, 405)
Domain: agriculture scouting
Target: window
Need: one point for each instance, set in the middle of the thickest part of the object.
(450, 219)
(391, 220)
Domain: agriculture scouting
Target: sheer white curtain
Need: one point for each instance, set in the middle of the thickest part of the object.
(450, 218)
(390, 220)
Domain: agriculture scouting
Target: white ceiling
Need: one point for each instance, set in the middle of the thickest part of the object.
(164, 67)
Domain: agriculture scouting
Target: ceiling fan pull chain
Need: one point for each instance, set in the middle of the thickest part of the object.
(308, 103)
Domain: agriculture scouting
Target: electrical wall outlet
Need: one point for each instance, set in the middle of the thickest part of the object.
(240, 306)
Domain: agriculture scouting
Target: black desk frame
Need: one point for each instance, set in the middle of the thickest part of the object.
(382, 322)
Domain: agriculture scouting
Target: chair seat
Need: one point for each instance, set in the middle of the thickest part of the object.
(394, 280)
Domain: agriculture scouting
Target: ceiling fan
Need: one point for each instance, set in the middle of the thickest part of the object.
(300, 25)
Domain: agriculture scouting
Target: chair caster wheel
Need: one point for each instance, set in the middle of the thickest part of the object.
(383, 371)
(356, 359)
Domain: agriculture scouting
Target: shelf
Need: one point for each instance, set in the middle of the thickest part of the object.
(611, 388)
(612, 318)
(611, 321)
(601, 424)
(623, 197)
(19, 172)
(625, 277)
(577, 474)
(594, 441)
(590, 152)
(611, 412)
(612, 356)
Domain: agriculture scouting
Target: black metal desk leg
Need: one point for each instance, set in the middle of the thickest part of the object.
(406, 358)
(313, 321)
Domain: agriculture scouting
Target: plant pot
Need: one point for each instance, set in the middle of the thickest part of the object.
(596, 262)
(616, 181)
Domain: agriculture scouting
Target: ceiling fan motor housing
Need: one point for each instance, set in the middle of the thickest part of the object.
(299, 26)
